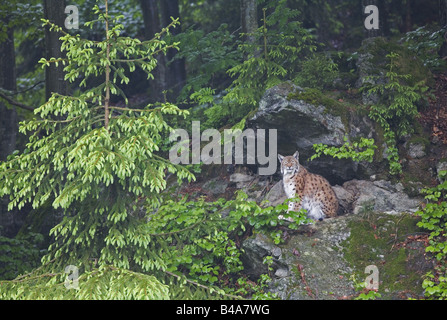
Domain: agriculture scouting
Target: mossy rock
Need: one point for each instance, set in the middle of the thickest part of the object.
(316, 97)
(320, 261)
(389, 242)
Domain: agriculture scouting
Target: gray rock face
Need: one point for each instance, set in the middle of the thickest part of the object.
(321, 270)
(256, 249)
(441, 166)
(378, 196)
(309, 266)
(241, 179)
(416, 150)
(300, 125)
(312, 123)
(215, 186)
(276, 195)
(295, 119)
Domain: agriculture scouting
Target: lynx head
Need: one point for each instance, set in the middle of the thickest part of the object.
(289, 164)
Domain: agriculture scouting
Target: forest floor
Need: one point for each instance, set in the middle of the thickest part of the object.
(435, 116)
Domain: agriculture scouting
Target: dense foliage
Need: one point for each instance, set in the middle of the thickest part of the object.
(362, 150)
(434, 221)
(193, 246)
(397, 107)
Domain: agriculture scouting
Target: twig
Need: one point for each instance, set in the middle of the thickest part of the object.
(146, 57)
(199, 285)
(27, 89)
(396, 230)
(134, 110)
(303, 278)
(16, 103)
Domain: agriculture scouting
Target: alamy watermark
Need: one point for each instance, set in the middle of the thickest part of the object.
(72, 280)
(372, 20)
(253, 143)
(372, 280)
(72, 20)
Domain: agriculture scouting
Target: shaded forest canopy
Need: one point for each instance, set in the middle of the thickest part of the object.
(85, 117)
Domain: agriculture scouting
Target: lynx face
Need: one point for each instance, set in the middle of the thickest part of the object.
(289, 164)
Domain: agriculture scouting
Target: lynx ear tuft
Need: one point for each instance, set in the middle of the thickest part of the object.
(280, 157)
(296, 155)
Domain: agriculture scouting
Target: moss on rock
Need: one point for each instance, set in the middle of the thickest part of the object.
(316, 97)
(383, 240)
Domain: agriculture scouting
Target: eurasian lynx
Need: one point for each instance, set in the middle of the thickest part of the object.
(314, 191)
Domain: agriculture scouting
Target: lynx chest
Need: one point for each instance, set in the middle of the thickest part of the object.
(293, 184)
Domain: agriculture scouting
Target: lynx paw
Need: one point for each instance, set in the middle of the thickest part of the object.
(281, 217)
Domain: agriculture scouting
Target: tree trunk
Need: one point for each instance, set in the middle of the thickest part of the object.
(384, 14)
(175, 69)
(443, 13)
(8, 116)
(151, 20)
(408, 20)
(9, 221)
(54, 76)
(249, 19)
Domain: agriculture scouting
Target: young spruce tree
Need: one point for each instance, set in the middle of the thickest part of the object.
(273, 56)
(91, 159)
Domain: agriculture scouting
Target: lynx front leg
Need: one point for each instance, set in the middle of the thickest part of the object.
(293, 206)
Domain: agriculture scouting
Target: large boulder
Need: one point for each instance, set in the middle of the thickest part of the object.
(310, 265)
(301, 124)
(382, 196)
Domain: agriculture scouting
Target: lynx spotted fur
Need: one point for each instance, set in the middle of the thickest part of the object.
(314, 191)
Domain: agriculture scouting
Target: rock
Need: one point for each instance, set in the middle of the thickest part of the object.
(281, 273)
(378, 196)
(441, 166)
(255, 188)
(276, 195)
(318, 261)
(416, 150)
(311, 264)
(255, 250)
(215, 186)
(300, 125)
(241, 179)
(345, 199)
